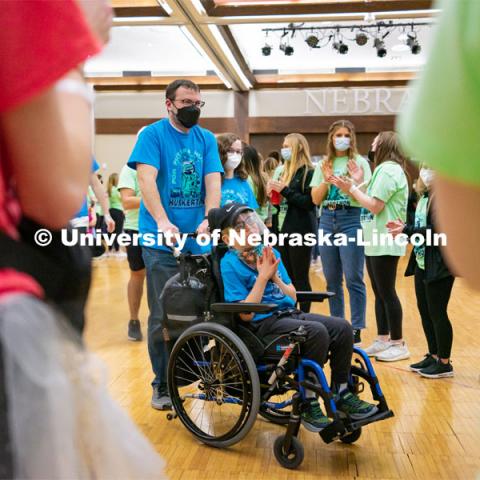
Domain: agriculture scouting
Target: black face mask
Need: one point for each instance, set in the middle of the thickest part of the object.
(188, 116)
(371, 156)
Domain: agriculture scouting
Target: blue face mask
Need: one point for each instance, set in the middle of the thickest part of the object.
(341, 143)
(286, 153)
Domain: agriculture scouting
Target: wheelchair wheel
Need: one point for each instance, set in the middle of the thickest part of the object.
(278, 416)
(213, 383)
(351, 437)
(291, 459)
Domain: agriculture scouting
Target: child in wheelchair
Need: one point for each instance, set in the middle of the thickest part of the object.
(257, 274)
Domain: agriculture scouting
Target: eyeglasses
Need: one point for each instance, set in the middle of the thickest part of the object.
(189, 103)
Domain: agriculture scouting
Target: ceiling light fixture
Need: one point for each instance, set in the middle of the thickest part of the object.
(380, 46)
(340, 47)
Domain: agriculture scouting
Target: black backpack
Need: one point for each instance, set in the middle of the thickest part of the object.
(187, 296)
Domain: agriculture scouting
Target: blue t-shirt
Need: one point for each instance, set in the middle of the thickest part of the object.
(237, 190)
(182, 160)
(83, 212)
(239, 279)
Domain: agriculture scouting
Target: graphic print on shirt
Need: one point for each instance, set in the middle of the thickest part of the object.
(335, 195)
(230, 195)
(186, 181)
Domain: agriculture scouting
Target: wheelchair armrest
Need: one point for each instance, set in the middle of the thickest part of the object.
(313, 296)
(242, 307)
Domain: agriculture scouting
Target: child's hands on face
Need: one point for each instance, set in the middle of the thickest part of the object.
(267, 264)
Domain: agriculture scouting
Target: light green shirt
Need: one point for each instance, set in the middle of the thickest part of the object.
(283, 202)
(389, 184)
(263, 212)
(128, 179)
(421, 221)
(440, 125)
(115, 199)
(334, 194)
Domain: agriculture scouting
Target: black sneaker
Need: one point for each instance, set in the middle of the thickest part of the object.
(437, 370)
(161, 399)
(134, 331)
(426, 362)
(313, 419)
(354, 407)
(357, 340)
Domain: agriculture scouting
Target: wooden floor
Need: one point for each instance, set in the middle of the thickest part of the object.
(435, 432)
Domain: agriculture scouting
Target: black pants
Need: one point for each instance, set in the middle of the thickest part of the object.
(432, 302)
(324, 335)
(382, 271)
(119, 218)
(297, 262)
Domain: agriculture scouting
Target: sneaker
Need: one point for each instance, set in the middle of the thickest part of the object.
(426, 362)
(313, 418)
(357, 340)
(437, 370)
(134, 331)
(354, 407)
(377, 347)
(160, 399)
(394, 353)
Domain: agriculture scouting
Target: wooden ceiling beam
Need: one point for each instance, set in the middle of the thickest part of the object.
(328, 7)
(151, 83)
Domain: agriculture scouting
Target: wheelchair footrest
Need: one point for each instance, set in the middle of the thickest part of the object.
(356, 424)
(333, 431)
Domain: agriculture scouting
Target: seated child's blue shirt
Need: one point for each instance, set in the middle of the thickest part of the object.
(239, 279)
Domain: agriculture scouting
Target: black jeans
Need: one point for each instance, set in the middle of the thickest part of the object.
(324, 335)
(119, 219)
(6, 458)
(382, 271)
(297, 263)
(432, 302)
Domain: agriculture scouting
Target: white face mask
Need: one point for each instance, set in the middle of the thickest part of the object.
(341, 143)
(233, 160)
(286, 153)
(427, 176)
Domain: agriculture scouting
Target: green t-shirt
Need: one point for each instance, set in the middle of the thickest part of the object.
(440, 123)
(421, 221)
(128, 179)
(390, 185)
(334, 195)
(283, 202)
(115, 199)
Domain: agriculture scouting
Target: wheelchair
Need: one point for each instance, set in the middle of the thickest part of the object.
(221, 375)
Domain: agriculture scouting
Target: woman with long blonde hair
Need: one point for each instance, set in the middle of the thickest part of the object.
(293, 184)
(341, 214)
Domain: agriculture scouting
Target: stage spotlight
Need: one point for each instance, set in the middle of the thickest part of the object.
(340, 47)
(266, 50)
(361, 38)
(312, 41)
(412, 42)
(380, 46)
(286, 49)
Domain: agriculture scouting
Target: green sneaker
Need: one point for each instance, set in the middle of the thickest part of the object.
(313, 418)
(354, 407)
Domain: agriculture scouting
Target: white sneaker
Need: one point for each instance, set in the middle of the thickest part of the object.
(396, 351)
(377, 347)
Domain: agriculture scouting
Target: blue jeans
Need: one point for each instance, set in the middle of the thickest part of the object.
(160, 266)
(348, 260)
